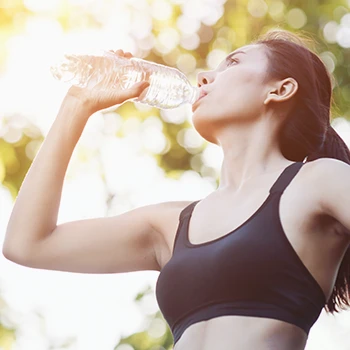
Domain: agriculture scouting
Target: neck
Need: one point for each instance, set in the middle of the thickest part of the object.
(249, 153)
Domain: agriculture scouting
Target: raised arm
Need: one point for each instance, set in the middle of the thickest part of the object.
(33, 238)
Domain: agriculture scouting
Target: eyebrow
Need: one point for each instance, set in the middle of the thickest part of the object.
(232, 54)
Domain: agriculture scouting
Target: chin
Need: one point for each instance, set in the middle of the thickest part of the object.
(204, 128)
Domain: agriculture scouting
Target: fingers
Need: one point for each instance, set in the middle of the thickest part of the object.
(140, 85)
(120, 52)
(136, 90)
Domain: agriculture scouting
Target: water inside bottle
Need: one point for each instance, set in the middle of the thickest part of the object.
(169, 88)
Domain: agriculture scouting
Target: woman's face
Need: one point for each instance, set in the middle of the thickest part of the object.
(234, 92)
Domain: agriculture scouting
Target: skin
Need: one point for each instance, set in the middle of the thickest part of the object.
(246, 124)
(246, 127)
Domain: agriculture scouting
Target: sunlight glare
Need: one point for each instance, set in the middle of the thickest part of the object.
(51, 6)
(161, 10)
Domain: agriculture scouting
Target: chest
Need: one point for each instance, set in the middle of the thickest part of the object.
(310, 235)
(219, 216)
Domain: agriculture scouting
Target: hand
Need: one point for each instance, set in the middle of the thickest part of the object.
(95, 99)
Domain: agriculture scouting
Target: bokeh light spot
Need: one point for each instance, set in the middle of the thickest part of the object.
(205, 34)
(215, 57)
(188, 25)
(296, 18)
(345, 20)
(257, 8)
(167, 40)
(276, 10)
(222, 44)
(157, 328)
(190, 42)
(141, 25)
(329, 60)
(175, 116)
(213, 15)
(192, 139)
(13, 135)
(32, 149)
(161, 10)
(330, 31)
(343, 37)
(227, 33)
(147, 43)
(212, 156)
(186, 63)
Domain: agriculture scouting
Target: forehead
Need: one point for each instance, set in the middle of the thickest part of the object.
(252, 50)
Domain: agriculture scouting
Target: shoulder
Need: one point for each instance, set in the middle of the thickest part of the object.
(329, 181)
(165, 212)
(164, 218)
(326, 171)
(326, 164)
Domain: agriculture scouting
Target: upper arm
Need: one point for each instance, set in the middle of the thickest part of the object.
(332, 178)
(122, 243)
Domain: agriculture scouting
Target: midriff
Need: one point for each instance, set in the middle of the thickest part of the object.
(242, 333)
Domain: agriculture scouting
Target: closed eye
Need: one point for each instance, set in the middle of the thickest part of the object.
(230, 61)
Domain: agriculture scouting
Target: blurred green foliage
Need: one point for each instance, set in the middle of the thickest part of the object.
(7, 338)
(240, 22)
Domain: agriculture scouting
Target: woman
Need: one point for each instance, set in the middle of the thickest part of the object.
(251, 265)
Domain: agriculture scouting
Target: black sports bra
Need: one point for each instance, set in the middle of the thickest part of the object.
(251, 271)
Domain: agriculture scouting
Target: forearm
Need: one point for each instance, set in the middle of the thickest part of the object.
(35, 212)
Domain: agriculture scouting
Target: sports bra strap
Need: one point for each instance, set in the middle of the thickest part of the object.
(280, 185)
(286, 177)
(187, 210)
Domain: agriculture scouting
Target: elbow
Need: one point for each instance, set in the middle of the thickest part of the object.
(9, 254)
(14, 255)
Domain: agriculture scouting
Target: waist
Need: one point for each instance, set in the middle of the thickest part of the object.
(242, 308)
(242, 333)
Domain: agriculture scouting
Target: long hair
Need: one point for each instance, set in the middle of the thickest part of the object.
(306, 133)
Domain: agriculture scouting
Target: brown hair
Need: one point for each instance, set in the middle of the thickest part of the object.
(306, 133)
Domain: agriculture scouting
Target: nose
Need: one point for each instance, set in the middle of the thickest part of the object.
(205, 78)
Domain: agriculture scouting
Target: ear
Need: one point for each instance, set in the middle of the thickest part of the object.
(282, 91)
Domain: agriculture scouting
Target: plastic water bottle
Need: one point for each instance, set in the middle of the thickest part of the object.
(169, 88)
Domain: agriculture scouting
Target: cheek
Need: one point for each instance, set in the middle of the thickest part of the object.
(228, 107)
(239, 99)
(242, 99)
(246, 92)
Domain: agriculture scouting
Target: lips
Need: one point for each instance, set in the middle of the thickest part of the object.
(201, 95)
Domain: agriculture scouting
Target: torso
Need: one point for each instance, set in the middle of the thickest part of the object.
(316, 238)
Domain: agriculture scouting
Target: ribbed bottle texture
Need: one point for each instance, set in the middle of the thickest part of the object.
(169, 88)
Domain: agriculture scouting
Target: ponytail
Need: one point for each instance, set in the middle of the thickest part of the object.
(307, 134)
(332, 147)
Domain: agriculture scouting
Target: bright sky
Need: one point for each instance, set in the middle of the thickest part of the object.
(98, 309)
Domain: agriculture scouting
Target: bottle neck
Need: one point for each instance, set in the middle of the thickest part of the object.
(193, 95)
